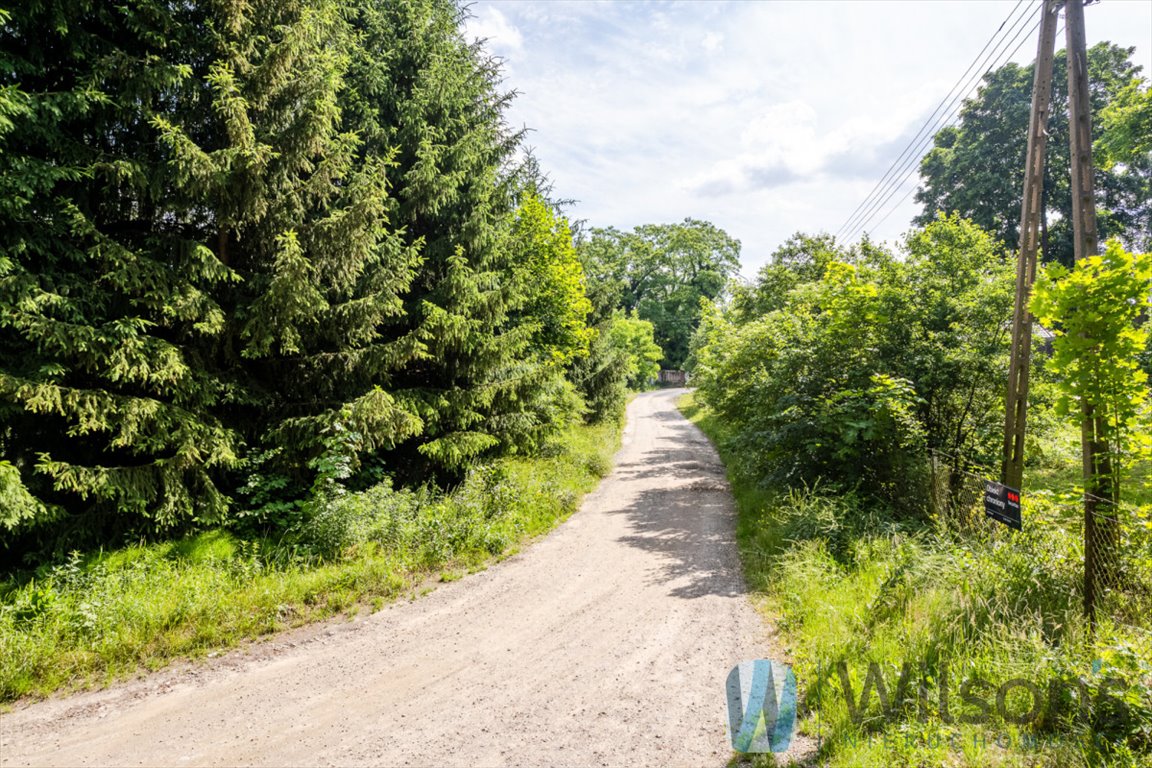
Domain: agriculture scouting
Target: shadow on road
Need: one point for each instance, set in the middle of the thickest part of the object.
(683, 512)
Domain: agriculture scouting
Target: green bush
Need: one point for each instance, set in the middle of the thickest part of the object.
(850, 583)
(848, 378)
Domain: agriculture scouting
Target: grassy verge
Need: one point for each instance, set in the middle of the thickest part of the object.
(988, 613)
(104, 615)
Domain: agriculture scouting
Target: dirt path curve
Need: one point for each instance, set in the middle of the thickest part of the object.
(605, 643)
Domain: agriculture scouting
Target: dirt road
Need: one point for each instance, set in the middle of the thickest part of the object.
(605, 643)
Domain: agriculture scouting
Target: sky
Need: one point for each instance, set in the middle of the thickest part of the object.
(765, 118)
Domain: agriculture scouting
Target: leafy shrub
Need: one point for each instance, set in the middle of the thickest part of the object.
(1096, 309)
(802, 389)
(598, 465)
(379, 514)
(849, 378)
(635, 338)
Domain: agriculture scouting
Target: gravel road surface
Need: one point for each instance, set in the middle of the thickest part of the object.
(606, 643)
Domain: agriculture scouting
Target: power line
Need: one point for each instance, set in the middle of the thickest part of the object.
(994, 42)
(911, 166)
(909, 190)
(899, 170)
(933, 115)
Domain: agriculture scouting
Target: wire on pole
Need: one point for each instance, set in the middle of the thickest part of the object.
(990, 56)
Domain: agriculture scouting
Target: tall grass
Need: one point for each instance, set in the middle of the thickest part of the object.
(101, 615)
(851, 586)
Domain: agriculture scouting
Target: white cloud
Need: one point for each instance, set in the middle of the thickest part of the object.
(765, 118)
(492, 25)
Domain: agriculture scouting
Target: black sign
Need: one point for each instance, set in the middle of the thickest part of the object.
(1002, 503)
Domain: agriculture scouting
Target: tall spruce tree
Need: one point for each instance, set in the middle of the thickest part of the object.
(248, 239)
(301, 214)
(107, 293)
(433, 103)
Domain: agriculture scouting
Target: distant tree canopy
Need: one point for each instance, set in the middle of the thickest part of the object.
(976, 168)
(1126, 126)
(660, 271)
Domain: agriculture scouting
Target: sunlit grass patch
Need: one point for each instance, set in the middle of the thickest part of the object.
(849, 587)
(101, 615)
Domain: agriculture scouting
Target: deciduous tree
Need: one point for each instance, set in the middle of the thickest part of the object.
(976, 168)
(661, 271)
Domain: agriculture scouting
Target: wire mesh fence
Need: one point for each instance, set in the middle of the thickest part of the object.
(1100, 552)
(1118, 564)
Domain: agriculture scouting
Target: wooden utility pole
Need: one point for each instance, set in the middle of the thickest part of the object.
(1100, 531)
(1012, 469)
(1085, 237)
